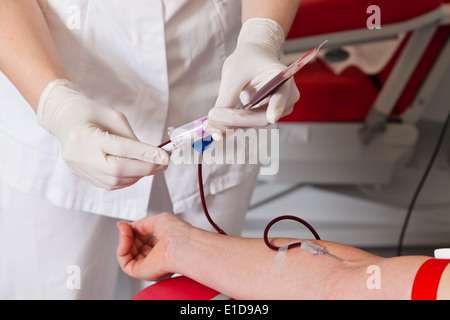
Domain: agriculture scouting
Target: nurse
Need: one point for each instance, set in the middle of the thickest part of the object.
(87, 91)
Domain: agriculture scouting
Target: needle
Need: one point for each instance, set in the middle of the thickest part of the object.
(317, 250)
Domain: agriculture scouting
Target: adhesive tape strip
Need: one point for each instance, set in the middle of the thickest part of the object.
(279, 259)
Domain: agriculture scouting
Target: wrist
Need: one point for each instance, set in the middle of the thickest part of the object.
(50, 102)
(178, 246)
(265, 32)
(184, 250)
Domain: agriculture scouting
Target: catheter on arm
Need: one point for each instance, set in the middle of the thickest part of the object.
(304, 245)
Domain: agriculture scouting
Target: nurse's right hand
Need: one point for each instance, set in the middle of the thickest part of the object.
(97, 141)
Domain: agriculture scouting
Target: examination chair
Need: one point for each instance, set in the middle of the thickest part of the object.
(351, 127)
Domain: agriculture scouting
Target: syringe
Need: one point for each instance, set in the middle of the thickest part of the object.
(316, 250)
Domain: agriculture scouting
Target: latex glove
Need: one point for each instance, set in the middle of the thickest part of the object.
(255, 61)
(97, 141)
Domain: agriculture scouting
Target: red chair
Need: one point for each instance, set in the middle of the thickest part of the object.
(179, 288)
(353, 127)
(397, 17)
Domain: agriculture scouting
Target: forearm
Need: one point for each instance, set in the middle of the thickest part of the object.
(244, 269)
(28, 56)
(281, 11)
(236, 267)
(247, 269)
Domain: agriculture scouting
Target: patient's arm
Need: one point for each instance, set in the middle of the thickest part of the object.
(242, 268)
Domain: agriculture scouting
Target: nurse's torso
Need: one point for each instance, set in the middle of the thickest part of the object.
(158, 61)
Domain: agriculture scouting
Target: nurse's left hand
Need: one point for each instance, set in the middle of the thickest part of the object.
(255, 61)
(97, 141)
(146, 247)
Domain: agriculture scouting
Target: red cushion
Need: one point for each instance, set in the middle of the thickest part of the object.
(326, 16)
(177, 288)
(421, 71)
(328, 97)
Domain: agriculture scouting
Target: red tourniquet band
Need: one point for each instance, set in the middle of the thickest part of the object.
(427, 279)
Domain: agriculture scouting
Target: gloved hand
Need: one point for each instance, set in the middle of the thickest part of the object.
(255, 61)
(97, 141)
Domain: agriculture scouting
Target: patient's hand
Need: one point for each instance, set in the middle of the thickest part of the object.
(145, 246)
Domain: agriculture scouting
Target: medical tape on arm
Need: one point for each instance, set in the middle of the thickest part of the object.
(279, 258)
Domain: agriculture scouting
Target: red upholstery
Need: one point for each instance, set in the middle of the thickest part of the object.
(421, 70)
(326, 97)
(178, 288)
(327, 16)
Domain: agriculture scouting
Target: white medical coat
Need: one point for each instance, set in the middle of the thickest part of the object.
(157, 61)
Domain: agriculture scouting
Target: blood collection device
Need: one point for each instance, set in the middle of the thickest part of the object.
(188, 134)
(193, 133)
